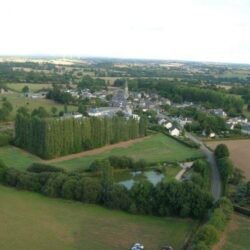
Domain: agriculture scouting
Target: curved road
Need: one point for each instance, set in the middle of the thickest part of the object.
(216, 181)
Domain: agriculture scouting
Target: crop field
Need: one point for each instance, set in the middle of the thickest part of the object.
(236, 236)
(239, 153)
(32, 221)
(153, 149)
(33, 87)
(18, 100)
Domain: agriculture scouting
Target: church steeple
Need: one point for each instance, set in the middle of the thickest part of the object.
(126, 94)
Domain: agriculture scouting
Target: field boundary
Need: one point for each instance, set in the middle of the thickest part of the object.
(95, 151)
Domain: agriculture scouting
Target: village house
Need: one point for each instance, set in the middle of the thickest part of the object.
(75, 115)
(219, 112)
(39, 95)
(183, 105)
(103, 111)
(182, 121)
(168, 125)
(175, 132)
(245, 129)
(232, 122)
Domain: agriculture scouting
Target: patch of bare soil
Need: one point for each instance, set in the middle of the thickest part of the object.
(239, 153)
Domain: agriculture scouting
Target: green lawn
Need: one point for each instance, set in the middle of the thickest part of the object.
(31, 221)
(157, 148)
(18, 100)
(238, 235)
(33, 87)
(16, 158)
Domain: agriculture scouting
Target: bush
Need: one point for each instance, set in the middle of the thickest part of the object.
(3, 169)
(118, 198)
(5, 139)
(121, 162)
(39, 168)
(201, 245)
(91, 190)
(221, 151)
(207, 234)
(68, 188)
(96, 166)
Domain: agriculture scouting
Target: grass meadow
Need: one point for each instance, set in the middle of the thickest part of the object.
(33, 87)
(237, 235)
(153, 149)
(157, 148)
(18, 100)
(32, 221)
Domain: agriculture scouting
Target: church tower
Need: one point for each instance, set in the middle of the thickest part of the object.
(126, 94)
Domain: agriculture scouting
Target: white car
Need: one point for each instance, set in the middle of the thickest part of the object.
(137, 246)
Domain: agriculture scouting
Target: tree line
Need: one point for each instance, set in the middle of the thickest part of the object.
(185, 199)
(53, 137)
(183, 92)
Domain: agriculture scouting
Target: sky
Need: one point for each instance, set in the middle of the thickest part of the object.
(198, 30)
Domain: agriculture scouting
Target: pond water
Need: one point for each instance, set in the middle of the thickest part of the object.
(128, 178)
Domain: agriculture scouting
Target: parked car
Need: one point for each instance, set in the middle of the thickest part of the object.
(137, 246)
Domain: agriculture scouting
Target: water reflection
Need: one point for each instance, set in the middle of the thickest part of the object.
(128, 178)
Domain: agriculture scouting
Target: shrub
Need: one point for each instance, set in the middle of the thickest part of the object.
(3, 170)
(96, 166)
(200, 246)
(39, 168)
(5, 139)
(221, 151)
(121, 162)
(68, 188)
(207, 234)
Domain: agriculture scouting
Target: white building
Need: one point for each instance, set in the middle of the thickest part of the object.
(246, 129)
(219, 112)
(168, 125)
(75, 115)
(175, 132)
(235, 121)
(105, 111)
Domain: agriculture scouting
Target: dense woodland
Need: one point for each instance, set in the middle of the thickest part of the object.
(49, 138)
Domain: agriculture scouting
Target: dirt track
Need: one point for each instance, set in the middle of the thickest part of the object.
(107, 148)
(239, 151)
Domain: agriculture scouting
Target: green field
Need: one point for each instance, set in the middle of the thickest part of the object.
(33, 87)
(16, 158)
(157, 148)
(31, 221)
(238, 236)
(18, 100)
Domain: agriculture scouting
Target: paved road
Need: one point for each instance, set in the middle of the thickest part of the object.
(216, 182)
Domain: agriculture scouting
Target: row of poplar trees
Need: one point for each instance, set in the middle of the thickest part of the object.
(53, 137)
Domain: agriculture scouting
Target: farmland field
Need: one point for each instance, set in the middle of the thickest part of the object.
(236, 236)
(18, 100)
(33, 87)
(239, 153)
(32, 221)
(156, 148)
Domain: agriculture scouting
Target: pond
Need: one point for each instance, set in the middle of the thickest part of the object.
(127, 178)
